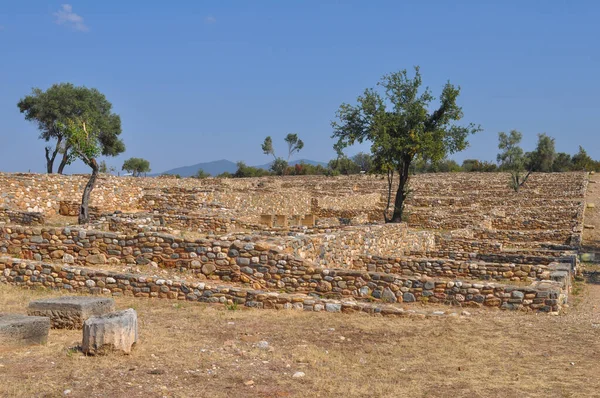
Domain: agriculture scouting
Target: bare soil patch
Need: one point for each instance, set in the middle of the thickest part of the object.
(196, 350)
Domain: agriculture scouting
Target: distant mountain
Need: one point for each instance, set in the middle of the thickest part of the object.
(293, 163)
(220, 166)
(213, 168)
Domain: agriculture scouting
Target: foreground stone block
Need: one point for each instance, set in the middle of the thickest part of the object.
(116, 331)
(69, 312)
(17, 329)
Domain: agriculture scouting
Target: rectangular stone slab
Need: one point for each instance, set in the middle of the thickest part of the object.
(17, 329)
(69, 312)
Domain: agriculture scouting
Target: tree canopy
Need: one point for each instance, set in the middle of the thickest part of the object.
(61, 102)
(94, 131)
(136, 166)
(397, 120)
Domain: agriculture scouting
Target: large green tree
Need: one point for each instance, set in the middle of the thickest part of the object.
(64, 101)
(401, 123)
(93, 132)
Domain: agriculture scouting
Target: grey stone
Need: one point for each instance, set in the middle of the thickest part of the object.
(408, 297)
(69, 312)
(17, 329)
(332, 307)
(388, 296)
(116, 331)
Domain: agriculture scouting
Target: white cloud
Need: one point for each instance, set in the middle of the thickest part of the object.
(210, 20)
(66, 16)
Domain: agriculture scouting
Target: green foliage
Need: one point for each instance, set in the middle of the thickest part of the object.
(441, 166)
(562, 162)
(474, 165)
(225, 174)
(267, 147)
(201, 174)
(397, 120)
(343, 165)
(61, 107)
(294, 144)
(511, 156)
(136, 166)
(364, 161)
(279, 166)
(542, 159)
(248, 171)
(581, 161)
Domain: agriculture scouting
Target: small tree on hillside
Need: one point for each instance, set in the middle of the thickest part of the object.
(512, 158)
(136, 166)
(400, 126)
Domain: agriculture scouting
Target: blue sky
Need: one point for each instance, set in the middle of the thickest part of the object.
(196, 81)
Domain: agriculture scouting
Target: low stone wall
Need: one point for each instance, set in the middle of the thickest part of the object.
(446, 268)
(545, 296)
(21, 217)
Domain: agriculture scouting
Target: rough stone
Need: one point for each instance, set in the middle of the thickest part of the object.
(17, 329)
(116, 331)
(69, 312)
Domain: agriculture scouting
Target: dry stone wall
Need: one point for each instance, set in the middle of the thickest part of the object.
(546, 296)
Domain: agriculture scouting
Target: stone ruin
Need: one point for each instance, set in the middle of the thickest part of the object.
(305, 242)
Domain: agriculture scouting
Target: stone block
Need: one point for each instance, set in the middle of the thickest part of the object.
(281, 220)
(116, 331)
(69, 312)
(309, 220)
(266, 219)
(17, 329)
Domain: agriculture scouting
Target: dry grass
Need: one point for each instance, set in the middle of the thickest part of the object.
(196, 350)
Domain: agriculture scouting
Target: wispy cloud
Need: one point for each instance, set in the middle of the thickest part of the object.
(210, 20)
(66, 16)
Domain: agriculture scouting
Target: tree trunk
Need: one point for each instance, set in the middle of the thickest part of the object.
(84, 215)
(64, 160)
(50, 159)
(390, 180)
(402, 193)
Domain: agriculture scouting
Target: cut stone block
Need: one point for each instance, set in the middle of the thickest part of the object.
(17, 329)
(116, 331)
(281, 220)
(69, 312)
(266, 219)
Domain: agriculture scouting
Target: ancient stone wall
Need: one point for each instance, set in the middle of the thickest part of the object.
(382, 287)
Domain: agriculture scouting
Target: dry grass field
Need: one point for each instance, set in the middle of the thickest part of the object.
(202, 350)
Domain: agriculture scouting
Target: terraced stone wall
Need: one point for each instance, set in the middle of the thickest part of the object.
(546, 296)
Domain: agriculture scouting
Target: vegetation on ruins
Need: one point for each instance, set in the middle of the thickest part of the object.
(280, 165)
(94, 131)
(65, 101)
(512, 159)
(400, 126)
(136, 166)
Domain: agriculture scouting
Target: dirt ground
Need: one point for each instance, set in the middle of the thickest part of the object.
(201, 350)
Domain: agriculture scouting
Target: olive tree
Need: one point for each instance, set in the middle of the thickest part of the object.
(512, 159)
(94, 132)
(50, 108)
(136, 166)
(401, 123)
